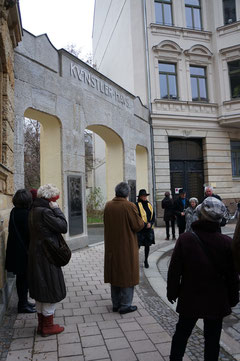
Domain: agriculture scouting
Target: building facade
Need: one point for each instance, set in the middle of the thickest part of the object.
(10, 35)
(182, 57)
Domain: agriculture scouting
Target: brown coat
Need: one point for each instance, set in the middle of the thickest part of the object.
(121, 224)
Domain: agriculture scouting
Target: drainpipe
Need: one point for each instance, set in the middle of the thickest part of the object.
(149, 102)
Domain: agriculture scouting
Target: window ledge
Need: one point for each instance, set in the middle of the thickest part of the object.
(229, 28)
(180, 32)
(236, 179)
(232, 101)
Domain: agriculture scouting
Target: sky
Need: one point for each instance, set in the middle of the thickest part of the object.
(65, 22)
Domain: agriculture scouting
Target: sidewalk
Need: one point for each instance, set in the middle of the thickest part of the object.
(92, 330)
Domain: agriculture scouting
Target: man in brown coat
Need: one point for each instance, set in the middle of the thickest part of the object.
(121, 262)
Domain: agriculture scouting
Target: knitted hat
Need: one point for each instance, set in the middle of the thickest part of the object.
(212, 209)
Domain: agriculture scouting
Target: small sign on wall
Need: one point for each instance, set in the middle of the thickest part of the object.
(177, 190)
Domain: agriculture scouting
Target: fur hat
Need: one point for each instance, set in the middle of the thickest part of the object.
(211, 209)
(48, 191)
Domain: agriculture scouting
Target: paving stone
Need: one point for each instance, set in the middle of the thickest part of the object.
(90, 318)
(72, 358)
(136, 335)
(45, 346)
(70, 349)
(117, 343)
(111, 316)
(150, 356)
(19, 324)
(160, 337)
(112, 333)
(125, 354)
(88, 331)
(107, 324)
(68, 338)
(49, 356)
(20, 355)
(142, 346)
(91, 341)
(71, 305)
(164, 348)
(99, 309)
(95, 353)
(81, 311)
(70, 320)
(130, 326)
(25, 332)
(151, 328)
(145, 320)
(63, 312)
(21, 343)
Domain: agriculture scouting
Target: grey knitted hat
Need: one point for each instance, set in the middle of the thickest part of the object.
(212, 209)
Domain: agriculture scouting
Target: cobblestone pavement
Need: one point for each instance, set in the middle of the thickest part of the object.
(92, 330)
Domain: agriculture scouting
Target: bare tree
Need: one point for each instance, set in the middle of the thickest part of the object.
(87, 57)
(32, 153)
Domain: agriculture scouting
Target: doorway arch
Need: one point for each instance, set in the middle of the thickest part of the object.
(113, 155)
(50, 148)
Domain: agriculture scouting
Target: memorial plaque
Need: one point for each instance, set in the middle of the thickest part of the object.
(75, 211)
(132, 194)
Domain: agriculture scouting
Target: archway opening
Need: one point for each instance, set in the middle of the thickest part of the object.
(141, 168)
(50, 148)
(107, 162)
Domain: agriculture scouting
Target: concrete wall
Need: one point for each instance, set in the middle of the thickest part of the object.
(60, 85)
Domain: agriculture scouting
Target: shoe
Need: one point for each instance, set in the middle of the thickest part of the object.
(115, 309)
(128, 309)
(48, 328)
(31, 304)
(167, 239)
(146, 265)
(173, 237)
(26, 309)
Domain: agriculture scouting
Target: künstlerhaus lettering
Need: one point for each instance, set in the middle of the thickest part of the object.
(85, 76)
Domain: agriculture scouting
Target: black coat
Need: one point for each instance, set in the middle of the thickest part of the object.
(18, 241)
(46, 282)
(178, 209)
(146, 236)
(195, 280)
(167, 205)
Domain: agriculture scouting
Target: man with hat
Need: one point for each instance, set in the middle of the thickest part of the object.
(146, 235)
(202, 277)
(180, 204)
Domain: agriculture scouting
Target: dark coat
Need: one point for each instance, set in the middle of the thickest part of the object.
(121, 260)
(194, 279)
(46, 282)
(18, 241)
(236, 246)
(178, 209)
(146, 236)
(167, 205)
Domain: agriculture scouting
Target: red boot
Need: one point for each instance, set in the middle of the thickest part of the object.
(48, 328)
(40, 318)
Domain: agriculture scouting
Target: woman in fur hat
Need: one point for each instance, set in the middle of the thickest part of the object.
(46, 282)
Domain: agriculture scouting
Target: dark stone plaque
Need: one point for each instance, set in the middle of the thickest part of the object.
(75, 211)
(132, 194)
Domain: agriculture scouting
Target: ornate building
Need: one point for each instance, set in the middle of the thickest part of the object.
(182, 57)
(10, 36)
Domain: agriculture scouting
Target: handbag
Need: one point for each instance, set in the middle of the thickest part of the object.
(58, 255)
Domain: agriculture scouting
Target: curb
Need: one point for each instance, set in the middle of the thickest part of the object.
(158, 283)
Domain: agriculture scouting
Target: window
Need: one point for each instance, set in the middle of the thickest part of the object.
(198, 83)
(168, 81)
(193, 14)
(229, 11)
(235, 152)
(163, 12)
(234, 76)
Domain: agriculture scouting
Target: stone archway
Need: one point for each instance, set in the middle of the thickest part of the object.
(141, 168)
(114, 157)
(50, 148)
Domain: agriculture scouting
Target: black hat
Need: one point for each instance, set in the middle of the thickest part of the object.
(181, 191)
(143, 192)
